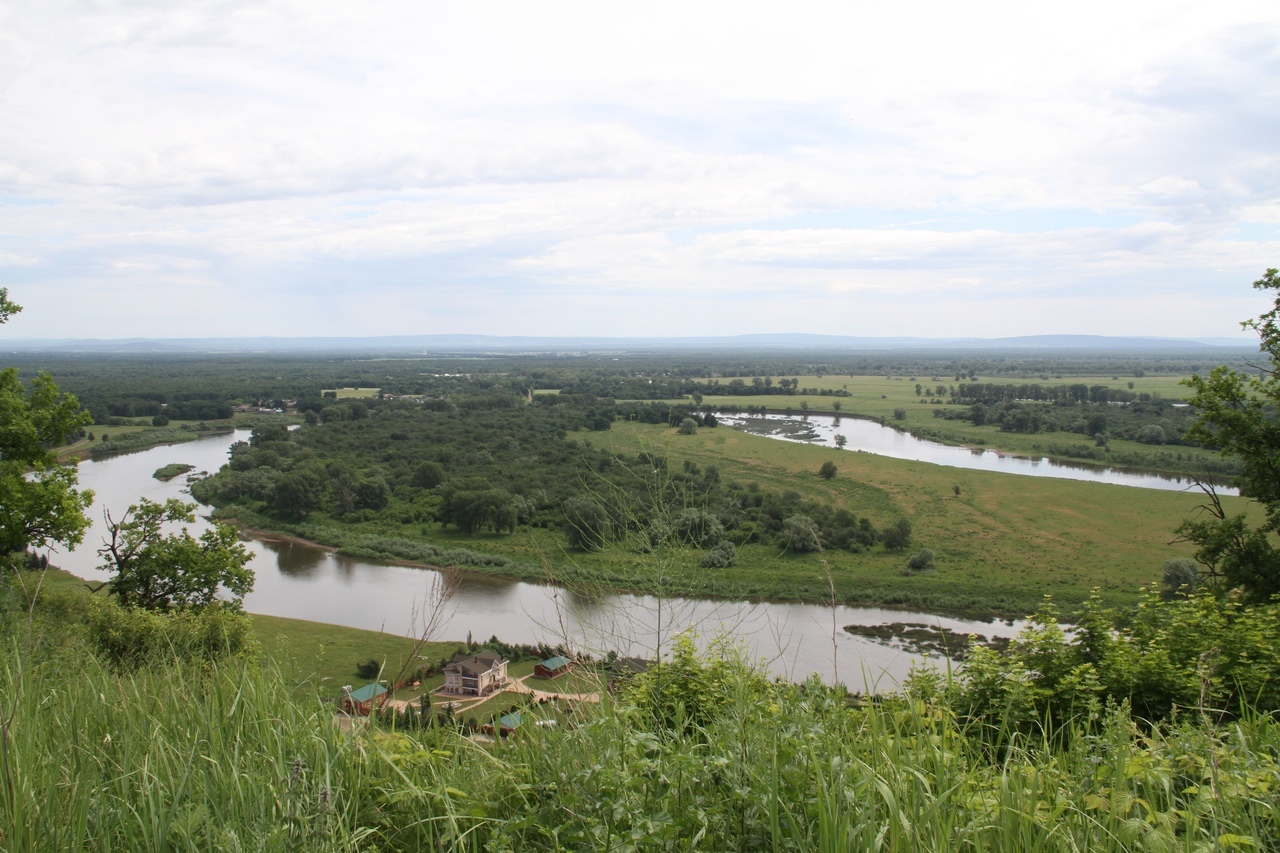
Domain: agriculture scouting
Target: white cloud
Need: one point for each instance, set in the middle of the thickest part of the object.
(674, 149)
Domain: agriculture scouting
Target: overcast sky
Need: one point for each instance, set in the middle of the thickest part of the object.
(298, 168)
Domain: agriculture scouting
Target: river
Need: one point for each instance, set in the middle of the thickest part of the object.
(870, 437)
(305, 582)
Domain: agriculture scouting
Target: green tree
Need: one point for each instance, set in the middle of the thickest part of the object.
(7, 308)
(40, 503)
(373, 493)
(428, 475)
(896, 536)
(586, 523)
(800, 533)
(828, 470)
(841, 441)
(1237, 413)
(158, 571)
(297, 493)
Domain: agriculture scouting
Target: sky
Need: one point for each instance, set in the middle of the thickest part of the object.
(620, 169)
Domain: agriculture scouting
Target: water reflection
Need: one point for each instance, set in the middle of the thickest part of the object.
(294, 559)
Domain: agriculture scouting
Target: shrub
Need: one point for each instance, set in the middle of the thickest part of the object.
(922, 561)
(722, 556)
(131, 637)
(800, 534)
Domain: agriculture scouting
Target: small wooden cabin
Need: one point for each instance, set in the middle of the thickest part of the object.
(552, 667)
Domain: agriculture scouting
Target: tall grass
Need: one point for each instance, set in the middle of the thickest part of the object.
(173, 758)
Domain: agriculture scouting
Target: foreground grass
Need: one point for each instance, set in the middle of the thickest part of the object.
(183, 758)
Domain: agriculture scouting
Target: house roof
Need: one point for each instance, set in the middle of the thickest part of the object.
(369, 691)
(511, 721)
(475, 664)
(556, 662)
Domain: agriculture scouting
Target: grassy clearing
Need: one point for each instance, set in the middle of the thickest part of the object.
(352, 393)
(320, 658)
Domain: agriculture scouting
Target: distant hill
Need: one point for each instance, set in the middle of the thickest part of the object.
(517, 344)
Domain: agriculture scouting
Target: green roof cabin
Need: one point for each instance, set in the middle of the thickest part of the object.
(362, 702)
(552, 667)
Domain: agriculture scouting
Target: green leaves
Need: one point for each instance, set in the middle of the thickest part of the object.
(156, 571)
(1237, 414)
(45, 507)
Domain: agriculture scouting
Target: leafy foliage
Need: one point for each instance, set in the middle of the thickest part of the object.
(157, 571)
(45, 508)
(131, 637)
(1238, 414)
(1198, 654)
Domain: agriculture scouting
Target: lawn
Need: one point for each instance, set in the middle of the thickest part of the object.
(322, 658)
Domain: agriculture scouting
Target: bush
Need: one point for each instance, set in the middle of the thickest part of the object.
(722, 556)
(828, 470)
(800, 534)
(131, 638)
(922, 561)
(369, 668)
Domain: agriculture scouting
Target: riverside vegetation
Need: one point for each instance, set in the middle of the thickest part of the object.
(1150, 727)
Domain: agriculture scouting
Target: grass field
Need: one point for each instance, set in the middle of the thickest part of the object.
(1004, 539)
(322, 658)
(352, 393)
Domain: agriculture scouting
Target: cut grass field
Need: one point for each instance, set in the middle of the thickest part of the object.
(321, 658)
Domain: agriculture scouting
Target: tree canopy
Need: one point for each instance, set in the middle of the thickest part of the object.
(7, 308)
(45, 507)
(1237, 414)
(158, 571)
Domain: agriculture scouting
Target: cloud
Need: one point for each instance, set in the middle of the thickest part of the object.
(275, 151)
